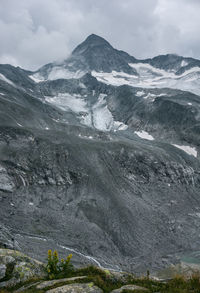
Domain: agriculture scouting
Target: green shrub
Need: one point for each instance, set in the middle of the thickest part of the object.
(66, 266)
(56, 268)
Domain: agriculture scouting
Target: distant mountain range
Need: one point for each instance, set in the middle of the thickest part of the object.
(99, 154)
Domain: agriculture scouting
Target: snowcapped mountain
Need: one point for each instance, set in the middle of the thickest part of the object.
(96, 56)
(100, 154)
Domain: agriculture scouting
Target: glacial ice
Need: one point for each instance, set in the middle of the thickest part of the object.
(97, 116)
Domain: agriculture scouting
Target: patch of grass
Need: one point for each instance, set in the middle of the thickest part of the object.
(134, 291)
(100, 278)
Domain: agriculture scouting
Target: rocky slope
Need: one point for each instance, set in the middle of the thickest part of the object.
(94, 163)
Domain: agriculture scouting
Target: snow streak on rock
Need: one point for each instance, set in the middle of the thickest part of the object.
(188, 149)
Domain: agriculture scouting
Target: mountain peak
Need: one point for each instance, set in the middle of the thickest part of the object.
(90, 42)
(96, 39)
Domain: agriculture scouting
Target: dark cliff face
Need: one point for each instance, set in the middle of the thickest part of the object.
(99, 55)
(71, 179)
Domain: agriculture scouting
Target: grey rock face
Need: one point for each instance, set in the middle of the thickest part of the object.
(6, 183)
(6, 238)
(70, 179)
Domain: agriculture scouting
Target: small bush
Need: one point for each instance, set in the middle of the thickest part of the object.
(56, 268)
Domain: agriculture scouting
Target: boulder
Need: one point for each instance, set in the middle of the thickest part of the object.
(51, 283)
(76, 288)
(129, 287)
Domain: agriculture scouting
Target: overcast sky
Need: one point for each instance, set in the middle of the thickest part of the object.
(35, 32)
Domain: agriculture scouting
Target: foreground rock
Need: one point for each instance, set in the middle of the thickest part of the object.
(77, 288)
(51, 283)
(16, 267)
(129, 287)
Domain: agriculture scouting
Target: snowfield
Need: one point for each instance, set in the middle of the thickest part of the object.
(68, 102)
(57, 72)
(151, 77)
(97, 116)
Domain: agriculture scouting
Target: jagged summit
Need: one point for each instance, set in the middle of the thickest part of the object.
(90, 42)
(95, 38)
(93, 54)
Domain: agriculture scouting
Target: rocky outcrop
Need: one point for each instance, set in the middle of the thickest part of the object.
(16, 267)
(77, 288)
(129, 287)
(52, 283)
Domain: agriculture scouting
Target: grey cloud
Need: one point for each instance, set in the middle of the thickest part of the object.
(35, 32)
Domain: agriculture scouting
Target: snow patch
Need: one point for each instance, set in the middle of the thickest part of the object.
(147, 70)
(189, 150)
(2, 77)
(102, 117)
(145, 135)
(62, 73)
(150, 96)
(68, 102)
(140, 93)
(57, 72)
(184, 63)
(97, 116)
(36, 77)
(86, 137)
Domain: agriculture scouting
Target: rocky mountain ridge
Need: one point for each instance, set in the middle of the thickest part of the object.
(97, 158)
